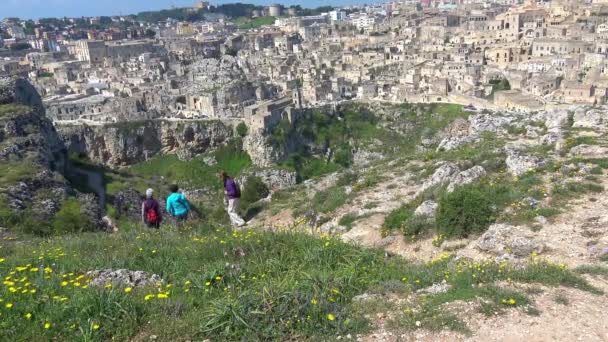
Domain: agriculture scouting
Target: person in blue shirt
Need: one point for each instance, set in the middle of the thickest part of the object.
(177, 204)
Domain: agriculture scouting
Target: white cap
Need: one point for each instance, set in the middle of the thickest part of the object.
(149, 193)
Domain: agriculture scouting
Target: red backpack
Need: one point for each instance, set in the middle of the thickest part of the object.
(151, 214)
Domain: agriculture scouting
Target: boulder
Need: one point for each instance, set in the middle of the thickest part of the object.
(426, 209)
(487, 123)
(273, 178)
(501, 239)
(122, 277)
(436, 289)
(589, 118)
(519, 163)
(466, 177)
(441, 176)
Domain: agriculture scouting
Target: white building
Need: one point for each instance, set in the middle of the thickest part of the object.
(363, 21)
(337, 15)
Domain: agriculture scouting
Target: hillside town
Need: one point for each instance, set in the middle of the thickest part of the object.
(492, 55)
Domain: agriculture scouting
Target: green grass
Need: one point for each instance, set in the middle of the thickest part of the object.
(355, 126)
(567, 190)
(584, 140)
(12, 172)
(194, 173)
(13, 109)
(329, 200)
(247, 23)
(229, 286)
(593, 270)
(348, 220)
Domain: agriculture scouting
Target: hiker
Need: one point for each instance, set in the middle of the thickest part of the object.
(177, 204)
(233, 195)
(150, 210)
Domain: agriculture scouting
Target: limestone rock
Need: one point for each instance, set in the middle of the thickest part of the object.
(589, 151)
(362, 157)
(426, 209)
(466, 177)
(125, 144)
(487, 123)
(519, 164)
(436, 289)
(273, 178)
(503, 239)
(442, 175)
(122, 277)
(589, 118)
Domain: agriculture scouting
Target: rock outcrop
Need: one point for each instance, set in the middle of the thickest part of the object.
(504, 239)
(519, 163)
(590, 118)
(33, 160)
(125, 278)
(129, 143)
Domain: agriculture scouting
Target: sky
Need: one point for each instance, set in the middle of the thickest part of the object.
(34, 9)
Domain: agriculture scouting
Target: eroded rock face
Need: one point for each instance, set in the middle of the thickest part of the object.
(129, 143)
(590, 118)
(261, 152)
(504, 239)
(519, 163)
(274, 179)
(122, 277)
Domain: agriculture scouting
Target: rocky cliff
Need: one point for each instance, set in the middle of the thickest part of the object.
(33, 162)
(125, 144)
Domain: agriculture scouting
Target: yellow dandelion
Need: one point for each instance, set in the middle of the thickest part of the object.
(187, 282)
(28, 315)
(2, 259)
(331, 317)
(314, 301)
(47, 325)
(9, 305)
(108, 286)
(95, 326)
(512, 301)
(128, 289)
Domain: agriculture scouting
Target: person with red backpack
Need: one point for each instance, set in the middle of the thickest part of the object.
(150, 210)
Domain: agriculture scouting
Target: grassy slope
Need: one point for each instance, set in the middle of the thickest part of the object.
(286, 285)
(246, 23)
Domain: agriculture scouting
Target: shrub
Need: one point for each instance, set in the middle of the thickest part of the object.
(242, 130)
(71, 219)
(329, 200)
(348, 220)
(344, 156)
(469, 209)
(254, 190)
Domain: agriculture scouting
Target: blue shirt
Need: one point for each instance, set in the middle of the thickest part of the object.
(177, 204)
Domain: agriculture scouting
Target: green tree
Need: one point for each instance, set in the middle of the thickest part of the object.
(242, 130)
